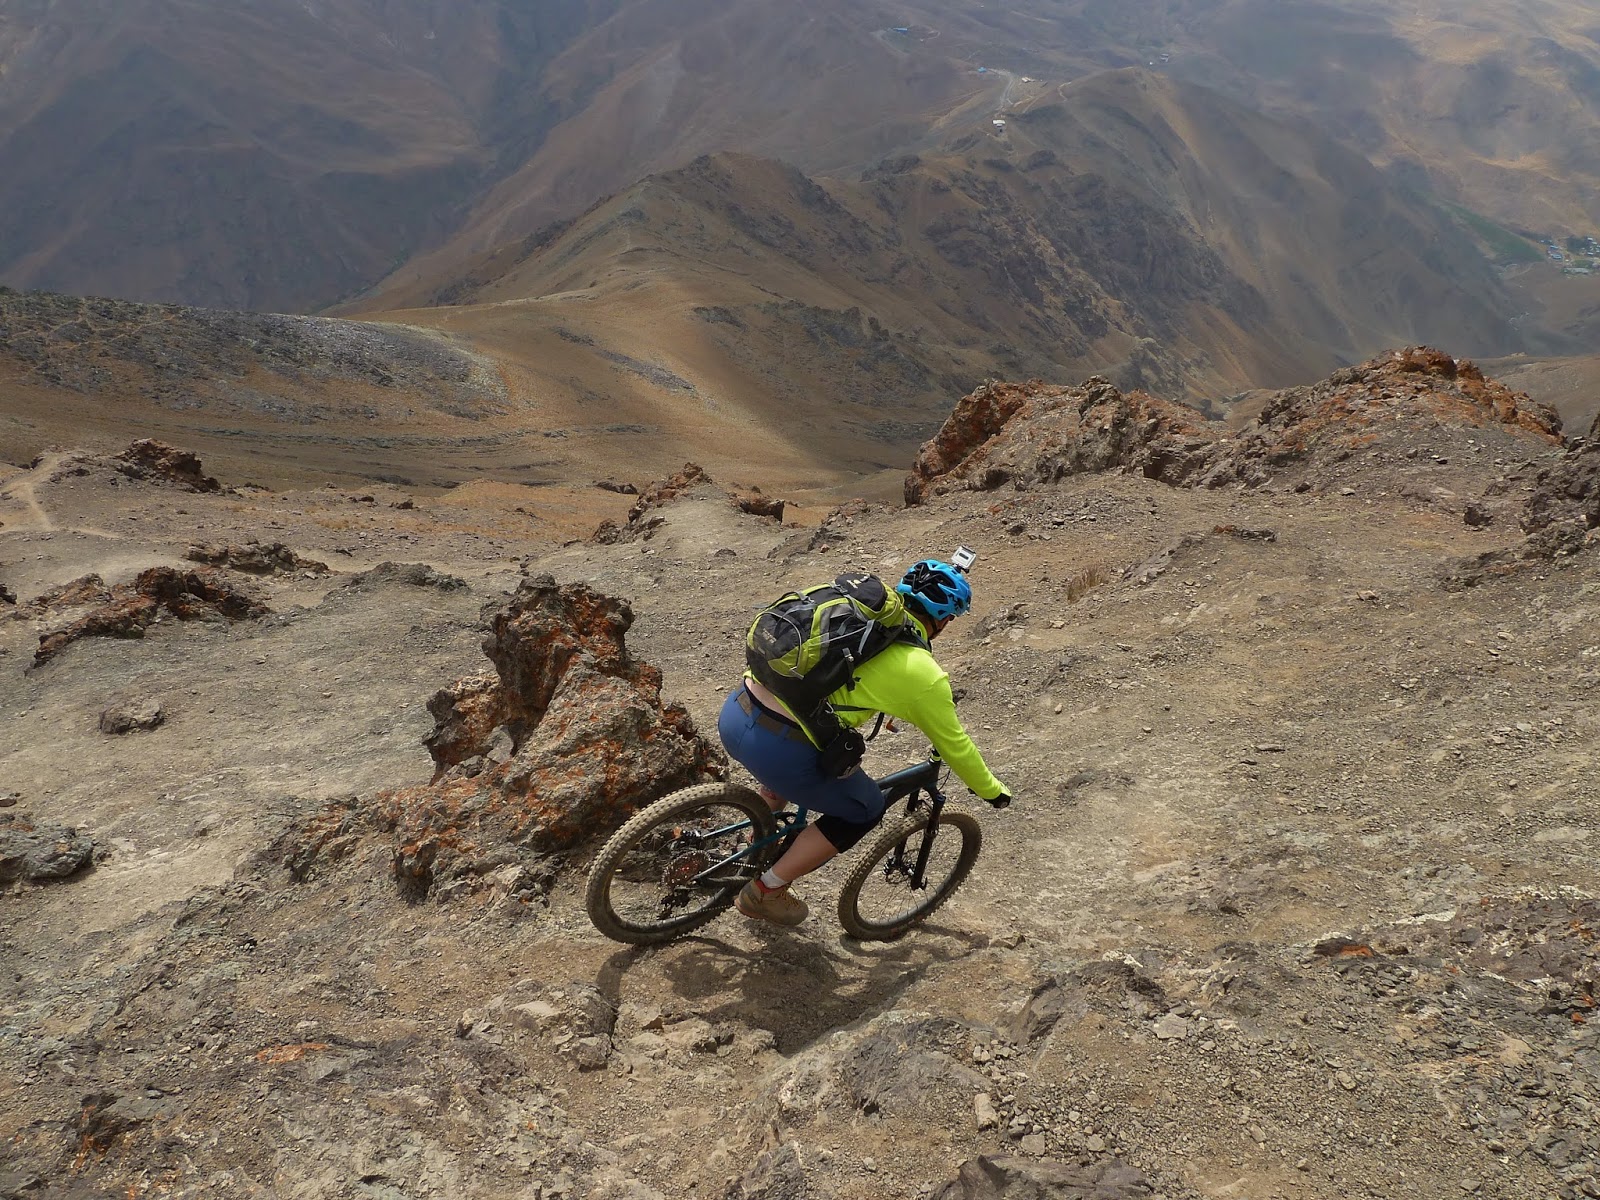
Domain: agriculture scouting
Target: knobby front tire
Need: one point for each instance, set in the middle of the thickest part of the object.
(642, 887)
(878, 903)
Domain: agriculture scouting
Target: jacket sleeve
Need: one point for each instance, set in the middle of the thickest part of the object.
(933, 710)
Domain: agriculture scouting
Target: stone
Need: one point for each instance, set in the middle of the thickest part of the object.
(557, 746)
(1012, 1177)
(38, 853)
(1172, 1028)
(135, 715)
(983, 1111)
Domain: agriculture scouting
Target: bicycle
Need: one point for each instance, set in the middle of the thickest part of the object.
(679, 862)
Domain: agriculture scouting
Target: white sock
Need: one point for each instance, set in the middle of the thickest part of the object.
(772, 882)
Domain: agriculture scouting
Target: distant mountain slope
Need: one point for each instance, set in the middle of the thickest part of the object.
(1132, 226)
(738, 310)
(281, 155)
(264, 155)
(287, 155)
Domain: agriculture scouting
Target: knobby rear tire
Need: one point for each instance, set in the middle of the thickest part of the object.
(653, 854)
(863, 920)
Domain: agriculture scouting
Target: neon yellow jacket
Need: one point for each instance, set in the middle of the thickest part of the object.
(905, 682)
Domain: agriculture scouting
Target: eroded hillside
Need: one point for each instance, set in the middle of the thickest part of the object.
(1297, 898)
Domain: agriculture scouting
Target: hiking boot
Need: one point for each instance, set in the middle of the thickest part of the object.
(777, 906)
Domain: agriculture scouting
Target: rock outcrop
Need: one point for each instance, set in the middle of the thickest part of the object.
(129, 609)
(1410, 412)
(39, 853)
(642, 518)
(1568, 493)
(253, 558)
(560, 743)
(1031, 434)
(152, 460)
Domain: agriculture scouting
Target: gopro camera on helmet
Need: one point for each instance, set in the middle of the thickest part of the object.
(963, 559)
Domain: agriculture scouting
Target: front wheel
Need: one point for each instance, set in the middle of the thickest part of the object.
(678, 863)
(879, 902)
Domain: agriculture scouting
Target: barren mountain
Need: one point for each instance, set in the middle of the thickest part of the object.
(1131, 226)
(1296, 900)
(1107, 215)
(284, 155)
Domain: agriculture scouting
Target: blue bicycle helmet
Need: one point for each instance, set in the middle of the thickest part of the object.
(936, 588)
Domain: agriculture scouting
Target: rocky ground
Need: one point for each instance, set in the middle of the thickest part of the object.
(1297, 899)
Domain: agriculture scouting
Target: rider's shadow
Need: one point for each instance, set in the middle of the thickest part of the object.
(840, 981)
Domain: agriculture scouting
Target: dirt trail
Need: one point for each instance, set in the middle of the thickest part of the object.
(21, 490)
(1204, 944)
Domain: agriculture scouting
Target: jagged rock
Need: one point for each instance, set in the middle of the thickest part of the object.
(128, 609)
(589, 740)
(778, 1174)
(1007, 1177)
(149, 459)
(1036, 433)
(466, 715)
(253, 558)
(1031, 434)
(1570, 490)
(39, 852)
(752, 501)
(7, 596)
(125, 718)
(86, 589)
(643, 519)
(690, 476)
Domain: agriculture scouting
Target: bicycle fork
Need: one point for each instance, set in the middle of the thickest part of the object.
(916, 877)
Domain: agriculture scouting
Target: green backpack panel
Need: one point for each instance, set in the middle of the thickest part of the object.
(807, 645)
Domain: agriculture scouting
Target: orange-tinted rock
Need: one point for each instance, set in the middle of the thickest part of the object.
(1031, 434)
(560, 744)
(127, 610)
(1036, 434)
(643, 518)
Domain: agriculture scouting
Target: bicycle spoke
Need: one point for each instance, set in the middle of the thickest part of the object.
(884, 897)
(677, 864)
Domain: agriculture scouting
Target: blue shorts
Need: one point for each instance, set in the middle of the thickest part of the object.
(784, 760)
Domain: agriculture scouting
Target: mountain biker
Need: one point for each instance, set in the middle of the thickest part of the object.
(902, 681)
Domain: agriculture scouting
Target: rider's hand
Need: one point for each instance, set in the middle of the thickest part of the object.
(1000, 801)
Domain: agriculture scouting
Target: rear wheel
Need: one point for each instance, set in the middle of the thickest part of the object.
(879, 903)
(678, 863)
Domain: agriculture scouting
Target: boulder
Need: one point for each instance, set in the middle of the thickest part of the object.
(563, 741)
(134, 715)
(30, 852)
(152, 460)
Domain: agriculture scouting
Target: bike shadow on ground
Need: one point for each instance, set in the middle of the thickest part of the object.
(797, 986)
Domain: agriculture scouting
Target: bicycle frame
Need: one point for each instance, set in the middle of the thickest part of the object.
(909, 784)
